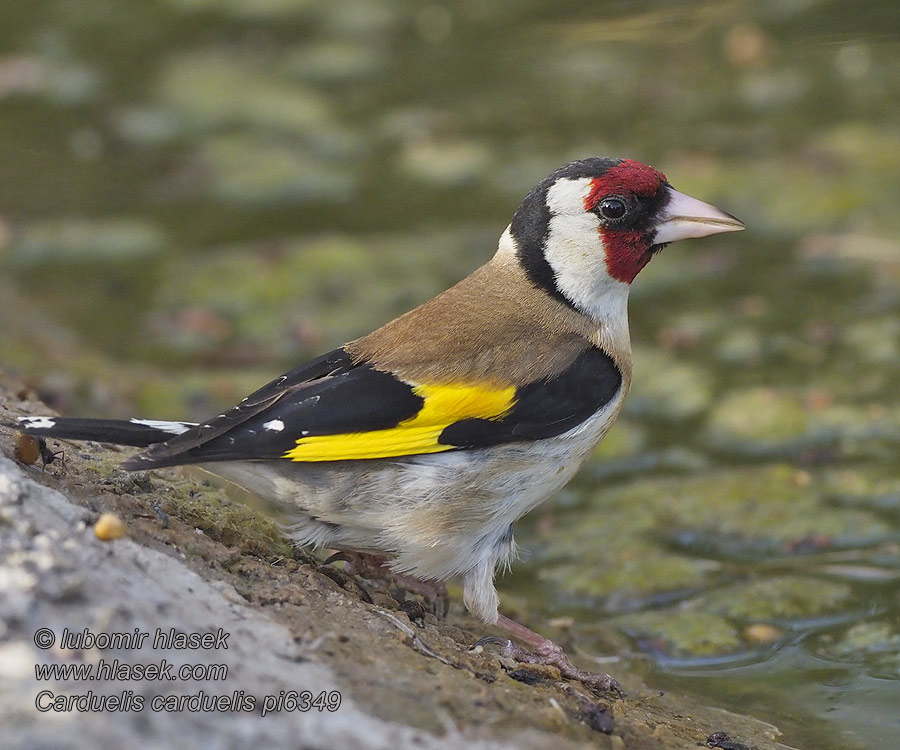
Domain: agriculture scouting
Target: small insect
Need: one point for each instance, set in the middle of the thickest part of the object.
(28, 449)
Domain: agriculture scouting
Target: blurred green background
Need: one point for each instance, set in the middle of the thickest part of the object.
(195, 195)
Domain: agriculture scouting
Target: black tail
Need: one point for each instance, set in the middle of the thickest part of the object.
(137, 432)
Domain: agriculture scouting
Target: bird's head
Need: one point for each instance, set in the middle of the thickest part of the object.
(586, 231)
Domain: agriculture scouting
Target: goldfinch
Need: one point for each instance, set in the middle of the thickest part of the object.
(427, 439)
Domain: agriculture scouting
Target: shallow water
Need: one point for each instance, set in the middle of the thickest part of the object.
(196, 194)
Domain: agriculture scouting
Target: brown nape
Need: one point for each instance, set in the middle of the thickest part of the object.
(492, 326)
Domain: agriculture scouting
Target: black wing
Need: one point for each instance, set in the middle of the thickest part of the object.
(319, 397)
(546, 408)
(333, 409)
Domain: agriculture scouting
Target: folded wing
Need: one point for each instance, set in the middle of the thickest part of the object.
(334, 409)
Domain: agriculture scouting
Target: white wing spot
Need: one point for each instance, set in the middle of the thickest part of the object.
(173, 428)
(276, 425)
(38, 423)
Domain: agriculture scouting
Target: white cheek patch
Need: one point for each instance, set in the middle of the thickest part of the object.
(576, 253)
(567, 196)
(577, 256)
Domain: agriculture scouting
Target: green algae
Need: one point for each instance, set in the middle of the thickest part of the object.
(197, 503)
(288, 296)
(217, 88)
(876, 340)
(231, 522)
(249, 9)
(757, 419)
(108, 240)
(777, 599)
(631, 572)
(718, 623)
(682, 633)
(625, 440)
(334, 61)
(875, 645)
(248, 170)
(665, 388)
(712, 526)
(765, 422)
(451, 162)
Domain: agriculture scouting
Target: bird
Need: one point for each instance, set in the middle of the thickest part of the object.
(427, 439)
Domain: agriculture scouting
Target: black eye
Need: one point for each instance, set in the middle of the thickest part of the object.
(612, 209)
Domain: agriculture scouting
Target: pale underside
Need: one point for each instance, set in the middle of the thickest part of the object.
(438, 515)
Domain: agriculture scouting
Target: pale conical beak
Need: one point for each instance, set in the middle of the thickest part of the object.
(684, 217)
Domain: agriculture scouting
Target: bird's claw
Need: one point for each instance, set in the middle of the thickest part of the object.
(339, 556)
(375, 567)
(493, 640)
(551, 654)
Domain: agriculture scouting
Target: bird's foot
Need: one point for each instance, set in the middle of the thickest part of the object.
(376, 567)
(544, 651)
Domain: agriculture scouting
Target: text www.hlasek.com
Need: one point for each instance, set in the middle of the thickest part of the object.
(116, 671)
(113, 670)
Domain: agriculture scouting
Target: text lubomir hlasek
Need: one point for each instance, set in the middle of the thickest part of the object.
(135, 639)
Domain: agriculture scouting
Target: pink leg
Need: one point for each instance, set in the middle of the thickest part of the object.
(540, 645)
(545, 651)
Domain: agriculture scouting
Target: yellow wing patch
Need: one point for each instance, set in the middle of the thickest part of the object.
(444, 404)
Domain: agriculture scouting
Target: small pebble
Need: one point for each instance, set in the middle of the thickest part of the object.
(598, 717)
(724, 742)
(761, 632)
(108, 527)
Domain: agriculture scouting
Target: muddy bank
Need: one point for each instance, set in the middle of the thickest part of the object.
(197, 559)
